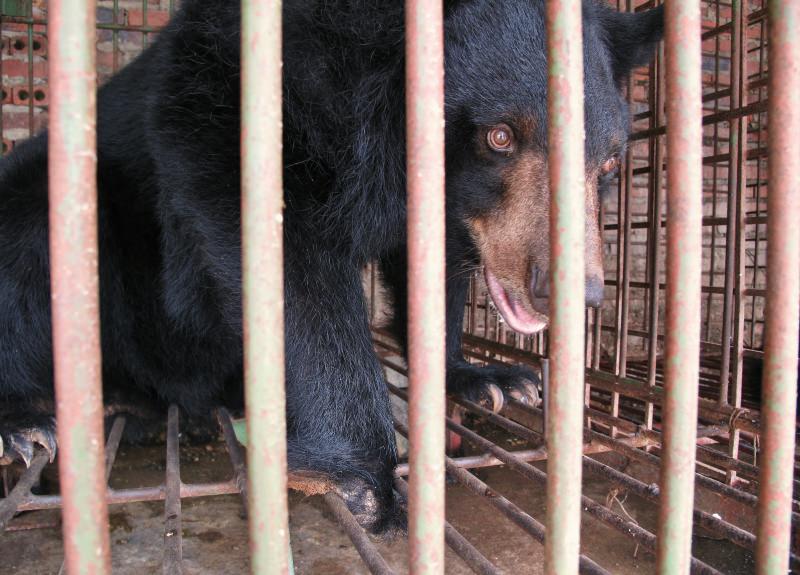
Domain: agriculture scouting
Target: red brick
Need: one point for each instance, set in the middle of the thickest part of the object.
(156, 19)
(18, 44)
(41, 96)
(39, 45)
(21, 95)
(19, 68)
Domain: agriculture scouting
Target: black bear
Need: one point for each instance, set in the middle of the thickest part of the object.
(169, 210)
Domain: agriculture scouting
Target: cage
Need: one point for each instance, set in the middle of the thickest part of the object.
(498, 463)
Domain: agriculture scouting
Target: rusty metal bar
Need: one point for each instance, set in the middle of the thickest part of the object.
(11, 503)
(458, 543)
(234, 453)
(522, 519)
(112, 446)
(72, 165)
(262, 285)
(116, 496)
(426, 298)
(567, 277)
(366, 549)
(684, 266)
(173, 540)
(112, 443)
(737, 133)
(597, 511)
(735, 272)
(783, 284)
(654, 232)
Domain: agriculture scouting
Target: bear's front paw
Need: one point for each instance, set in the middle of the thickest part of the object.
(492, 384)
(378, 513)
(19, 434)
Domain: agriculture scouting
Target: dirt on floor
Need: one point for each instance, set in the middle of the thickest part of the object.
(215, 530)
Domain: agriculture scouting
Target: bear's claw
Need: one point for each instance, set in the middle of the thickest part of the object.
(527, 393)
(491, 385)
(18, 441)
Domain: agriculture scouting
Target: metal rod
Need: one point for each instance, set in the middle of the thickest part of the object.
(783, 285)
(366, 549)
(234, 453)
(522, 519)
(736, 132)
(173, 540)
(567, 280)
(458, 543)
(112, 446)
(117, 496)
(426, 298)
(72, 166)
(10, 504)
(684, 266)
(262, 285)
(654, 233)
(112, 443)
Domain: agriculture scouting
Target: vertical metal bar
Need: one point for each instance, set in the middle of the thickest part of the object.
(426, 301)
(262, 287)
(654, 235)
(684, 263)
(173, 538)
(75, 287)
(625, 207)
(737, 182)
(736, 133)
(783, 288)
(567, 278)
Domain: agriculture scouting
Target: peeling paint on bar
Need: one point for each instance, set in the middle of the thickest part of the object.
(683, 294)
(262, 286)
(566, 386)
(426, 302)
(75, 286)
(783, 286)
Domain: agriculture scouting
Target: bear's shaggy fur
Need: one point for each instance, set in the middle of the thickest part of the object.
(169, 211)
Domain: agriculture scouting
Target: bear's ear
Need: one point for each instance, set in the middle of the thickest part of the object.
(632, 38)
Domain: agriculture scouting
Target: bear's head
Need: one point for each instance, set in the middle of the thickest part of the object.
(498, 191)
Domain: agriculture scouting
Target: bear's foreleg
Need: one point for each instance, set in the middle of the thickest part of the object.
(488, 385)
(339, 421)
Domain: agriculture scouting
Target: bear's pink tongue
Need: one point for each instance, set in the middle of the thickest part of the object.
(517, 317)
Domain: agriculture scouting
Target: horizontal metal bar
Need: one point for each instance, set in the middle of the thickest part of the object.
(116, 496)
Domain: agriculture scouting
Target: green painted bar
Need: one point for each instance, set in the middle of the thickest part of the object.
(72, 167)
(426, 301)
(567, 280)
(262, 241)
(783, 291)
(683, 294)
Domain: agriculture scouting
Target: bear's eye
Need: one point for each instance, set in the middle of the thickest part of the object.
(610, 165)
(500, 138)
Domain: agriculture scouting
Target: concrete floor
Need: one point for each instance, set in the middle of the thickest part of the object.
(215, 533)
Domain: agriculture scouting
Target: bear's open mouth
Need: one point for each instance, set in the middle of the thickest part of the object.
(512, 309)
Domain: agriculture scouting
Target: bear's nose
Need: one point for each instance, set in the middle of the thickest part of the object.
(540, 290)
(540, 284)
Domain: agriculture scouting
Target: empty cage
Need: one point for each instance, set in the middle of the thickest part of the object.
(665, 437)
